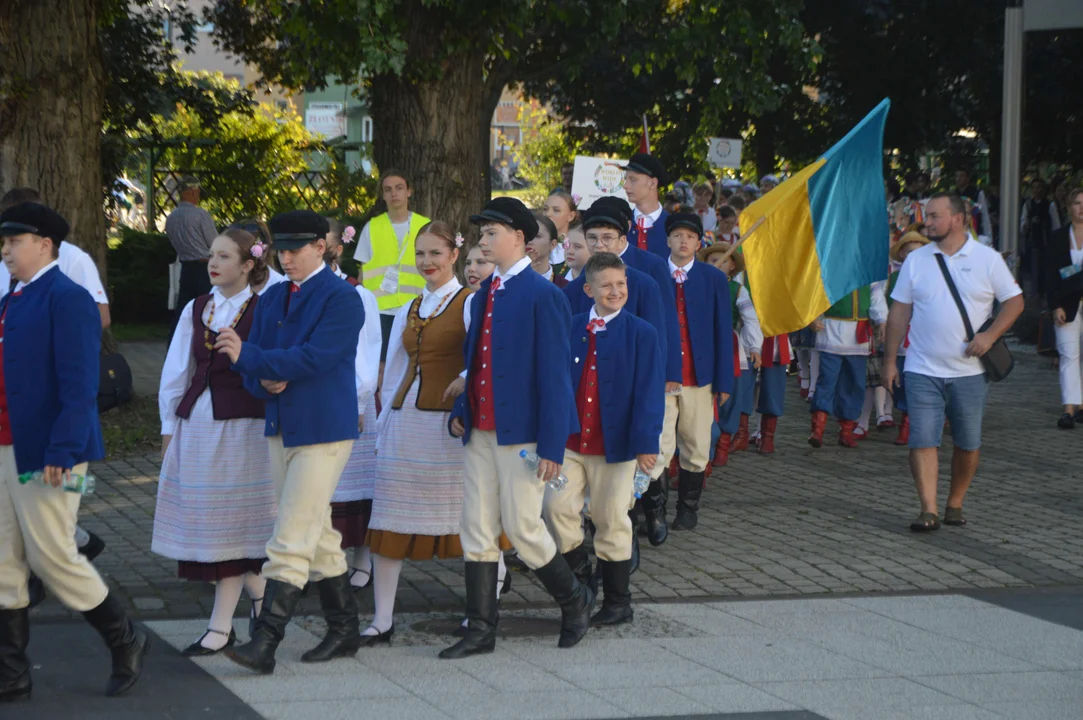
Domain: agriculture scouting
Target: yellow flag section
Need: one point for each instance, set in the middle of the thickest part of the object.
(780, 257)
(824, 232)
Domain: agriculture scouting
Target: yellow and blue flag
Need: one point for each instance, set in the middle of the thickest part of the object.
(824, 231)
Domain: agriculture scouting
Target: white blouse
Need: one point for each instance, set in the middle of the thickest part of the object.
(369, 342)
(180, 365)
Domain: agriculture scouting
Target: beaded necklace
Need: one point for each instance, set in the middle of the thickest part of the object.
(418, 323)
(207, 341)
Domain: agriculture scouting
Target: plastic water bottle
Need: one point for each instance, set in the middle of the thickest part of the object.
(82, 484)
(532, 461)
(640, 483)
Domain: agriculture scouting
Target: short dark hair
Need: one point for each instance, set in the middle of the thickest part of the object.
(549, 225)
(725, 211)
(393, 172)
(601, 261)
(19, 195)
(737, 202)
(958, 207)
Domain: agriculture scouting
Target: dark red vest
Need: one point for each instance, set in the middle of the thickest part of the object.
(228, 397)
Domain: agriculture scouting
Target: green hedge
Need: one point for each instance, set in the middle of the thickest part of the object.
(139, 277)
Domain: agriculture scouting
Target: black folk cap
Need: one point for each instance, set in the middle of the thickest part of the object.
(690, 221)
(648, 165)
(36, 219)
(612, 207)
(297, 228)
(511, 212)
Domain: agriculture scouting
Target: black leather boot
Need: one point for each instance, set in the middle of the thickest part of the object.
(576, 600)
(15, 682)
(635, 545)
(36, 589)
(258, 654)
(127, 643)
(617, 597)
(480, 612)
(343, 638)
(579, 561)
(654, 507)
(688, 493)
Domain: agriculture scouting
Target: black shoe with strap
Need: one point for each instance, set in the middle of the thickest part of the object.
(127, 643)
(617, 597)
(481, 612)
(15, 684)
(198, 649)
(258, 654)
(1066, 422)
(93, 548)
(380, 638)
(343, 638)
(576, 600)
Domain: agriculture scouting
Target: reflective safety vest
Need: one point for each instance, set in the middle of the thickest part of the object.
(386, 253)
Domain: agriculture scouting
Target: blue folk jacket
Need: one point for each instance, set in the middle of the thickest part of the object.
(710, 325)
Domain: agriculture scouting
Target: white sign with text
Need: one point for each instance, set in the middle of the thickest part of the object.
(595, 178)
(725, 153)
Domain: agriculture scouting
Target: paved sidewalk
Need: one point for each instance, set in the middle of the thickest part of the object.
(1006, 655)
(801, 522)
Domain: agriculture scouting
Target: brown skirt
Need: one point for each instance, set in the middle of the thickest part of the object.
(351, 519)
(397, 546)
(213, 572)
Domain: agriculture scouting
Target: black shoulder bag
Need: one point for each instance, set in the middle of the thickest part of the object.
(998, 362)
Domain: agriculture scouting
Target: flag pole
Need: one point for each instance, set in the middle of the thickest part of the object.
(755, 226)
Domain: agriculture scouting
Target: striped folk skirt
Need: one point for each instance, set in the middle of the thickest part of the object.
(351, 505)
(418, 499)
(216, 504)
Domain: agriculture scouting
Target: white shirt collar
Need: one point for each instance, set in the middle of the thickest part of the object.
(674, 268)
(338, 271)
(965, 250)
(607, 319)
(512, 271)
(652, 217)
(450, 286)
(237, 300)
(37, 275)
(313, 274)
(548, 274)
(626, 246)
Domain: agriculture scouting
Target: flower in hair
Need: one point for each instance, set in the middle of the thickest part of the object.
(348, 234)
(257, 249)
(576, 199)
(458, 240)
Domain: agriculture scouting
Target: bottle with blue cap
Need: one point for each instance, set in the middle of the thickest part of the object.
(533, 461)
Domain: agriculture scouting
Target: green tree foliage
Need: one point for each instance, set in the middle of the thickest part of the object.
(545, 149)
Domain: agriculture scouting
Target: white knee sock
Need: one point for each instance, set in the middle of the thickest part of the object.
(814, 370)
(255, 585)
(866, 410)
(385, 584)
(360, 559)
(82, 537)
(226, 594)
(883, 404)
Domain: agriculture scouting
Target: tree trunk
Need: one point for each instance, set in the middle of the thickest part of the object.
(430, 131)
(51, 100)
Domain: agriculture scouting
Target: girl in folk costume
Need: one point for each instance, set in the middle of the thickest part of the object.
(576, 252)
(541, 247)
(561, 209)
(351, 505)
(747, 340)
(216, 503)
(476, 268)
(908, 243)
(417, 506)
(259, 230)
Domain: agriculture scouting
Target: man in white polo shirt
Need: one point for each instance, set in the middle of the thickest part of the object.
(943, 371)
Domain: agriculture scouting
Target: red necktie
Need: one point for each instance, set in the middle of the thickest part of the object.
(595, 325)
(294, 287)
(641, 233)
(494, 287)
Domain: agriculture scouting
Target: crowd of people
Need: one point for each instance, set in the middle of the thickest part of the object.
(514, 400)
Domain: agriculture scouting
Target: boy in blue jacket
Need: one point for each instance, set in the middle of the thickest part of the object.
(50, 339)
(617, 374)
(518, 397)
(607, 224)
(299, 357)
(707, 358)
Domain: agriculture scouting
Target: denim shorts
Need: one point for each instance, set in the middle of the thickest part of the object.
(961, 399)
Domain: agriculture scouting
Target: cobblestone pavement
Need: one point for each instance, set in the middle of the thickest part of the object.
(801, 522)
